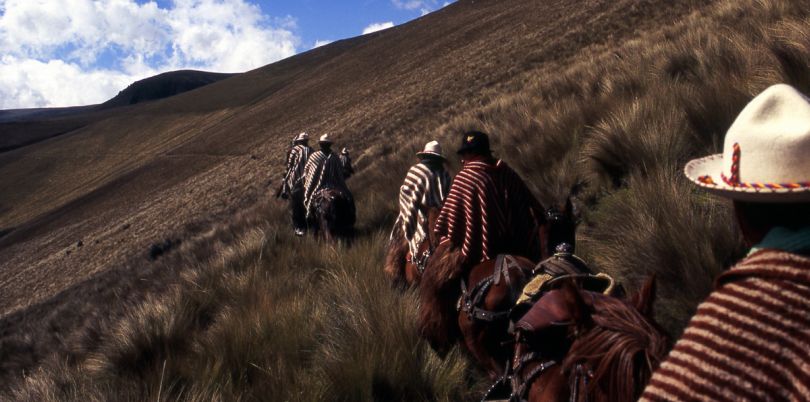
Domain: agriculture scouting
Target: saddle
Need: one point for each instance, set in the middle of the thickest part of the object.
(551, 272)
(536, 307)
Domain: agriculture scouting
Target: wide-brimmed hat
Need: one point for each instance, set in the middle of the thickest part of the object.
(475, 142)
(432, 149)
(766, 153)
(325, 139)
(302, 137)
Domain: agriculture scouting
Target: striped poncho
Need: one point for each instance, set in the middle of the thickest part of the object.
(424, 188)
(322, 171)
(488, 211)
(296, 160)
(749, 341)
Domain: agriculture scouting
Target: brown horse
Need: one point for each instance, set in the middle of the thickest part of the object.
(334, 214)
(586, 346)
(472, 303)
(404, 269)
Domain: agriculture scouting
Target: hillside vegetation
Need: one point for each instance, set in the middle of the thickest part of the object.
(613, 108)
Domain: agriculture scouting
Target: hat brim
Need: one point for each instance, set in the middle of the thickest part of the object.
(710, 167)
(423, 154)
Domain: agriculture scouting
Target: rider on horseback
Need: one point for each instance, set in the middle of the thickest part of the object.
(293, 186)
(346, 162)
(489, 209)
(322, 171)
(424, 189)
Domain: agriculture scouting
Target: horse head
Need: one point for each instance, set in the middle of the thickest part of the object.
(588, 346)
(559, 226)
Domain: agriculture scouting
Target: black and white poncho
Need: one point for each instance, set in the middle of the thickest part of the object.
(424, 188)
(322, 171)
(296, 161)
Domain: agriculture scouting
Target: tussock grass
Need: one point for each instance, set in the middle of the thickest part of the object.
(266, 315)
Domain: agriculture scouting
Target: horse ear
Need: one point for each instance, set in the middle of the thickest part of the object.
(569, 207)
(574, 301)
(644, 298)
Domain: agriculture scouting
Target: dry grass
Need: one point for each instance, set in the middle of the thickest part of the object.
(257, 314)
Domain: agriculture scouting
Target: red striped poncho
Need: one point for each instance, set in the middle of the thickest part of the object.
(749, 341)
(488, 211)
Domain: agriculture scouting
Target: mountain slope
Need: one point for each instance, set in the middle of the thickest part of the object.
(160, 165)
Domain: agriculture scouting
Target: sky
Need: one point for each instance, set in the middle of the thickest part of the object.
(57, 53)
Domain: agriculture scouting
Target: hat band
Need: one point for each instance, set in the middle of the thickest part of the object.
(734, 180)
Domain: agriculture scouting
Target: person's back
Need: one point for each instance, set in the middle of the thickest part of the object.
(489, 209)
(323, 171)
(293, 186)
(346, 163)
(425, 187)
(750, 339)
(296, 161)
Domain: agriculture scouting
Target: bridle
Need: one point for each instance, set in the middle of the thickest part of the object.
(578, 380)
(470, 300)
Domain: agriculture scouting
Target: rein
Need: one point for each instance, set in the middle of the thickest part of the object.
(578, 379)
(520, 392)
(470, 301)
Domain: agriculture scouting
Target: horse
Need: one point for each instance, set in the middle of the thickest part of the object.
(586, 346)
(404, 269)
(472, 303)
(334, 214)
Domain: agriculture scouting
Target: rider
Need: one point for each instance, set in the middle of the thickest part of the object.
(323, 170)
(346, 162)
(426, 186)
(489, 210)
(293, 186)
(749, 339)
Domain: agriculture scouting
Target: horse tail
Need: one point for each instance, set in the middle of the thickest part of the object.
(439, 291)
(395, 258)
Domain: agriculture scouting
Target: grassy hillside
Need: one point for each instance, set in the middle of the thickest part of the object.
(611, 98)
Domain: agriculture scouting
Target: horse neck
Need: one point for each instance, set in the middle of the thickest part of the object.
(621, 349)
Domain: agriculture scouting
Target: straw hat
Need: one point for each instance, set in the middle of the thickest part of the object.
(432, 148)
(325, 139)
(302, 137)
(766, 154)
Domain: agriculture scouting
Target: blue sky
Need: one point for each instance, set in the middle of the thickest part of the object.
(77, 52)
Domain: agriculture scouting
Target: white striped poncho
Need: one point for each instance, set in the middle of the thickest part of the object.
(322, 171)
(296, 160)
(422, 190)
(489, 211)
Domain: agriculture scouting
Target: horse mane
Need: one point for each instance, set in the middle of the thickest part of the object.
(623, 348)
(438, 291)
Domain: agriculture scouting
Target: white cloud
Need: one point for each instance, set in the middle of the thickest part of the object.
(377, 26)
(319, 43)
(49, 44)
(424, 6)
(33, 83)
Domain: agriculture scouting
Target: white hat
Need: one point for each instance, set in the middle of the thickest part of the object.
(432, 148)
(325, 138)
(766, 154)
(302, 137)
